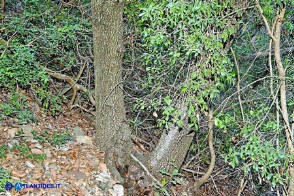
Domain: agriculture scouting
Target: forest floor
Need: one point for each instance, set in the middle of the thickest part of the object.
(76, 164)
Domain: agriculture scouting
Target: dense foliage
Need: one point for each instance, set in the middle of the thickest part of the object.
(182, 48)
(177, 51)
(41, 34)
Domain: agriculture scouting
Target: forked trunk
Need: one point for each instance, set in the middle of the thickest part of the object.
(112, 130)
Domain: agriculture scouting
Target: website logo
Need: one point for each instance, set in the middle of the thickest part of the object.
(19, 186)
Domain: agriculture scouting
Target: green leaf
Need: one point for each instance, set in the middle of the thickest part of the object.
(163, 181)
(175, 172)
(167, 100)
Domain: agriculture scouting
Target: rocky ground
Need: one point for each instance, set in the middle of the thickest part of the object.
(76, 165)
(75, 162)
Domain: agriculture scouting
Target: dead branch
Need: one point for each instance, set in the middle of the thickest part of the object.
(146, 170)
(263, 54)
(238, 84)
(75, 87)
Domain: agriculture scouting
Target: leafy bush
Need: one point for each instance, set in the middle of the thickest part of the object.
(56, 140)
(17, 107)
(253, 146)
(38, 35)
(175, 35)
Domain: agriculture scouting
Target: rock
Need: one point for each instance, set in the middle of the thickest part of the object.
(93, 162)
(86, 192)
(39, 146)
(118, 190)
(77, 174)
(64, 148)
(27, 131)
(47, 152)
(111, 192)
(29, 164)
(13, 143)
(64, 174)
(102, 177)
(78, 131)
(46, 165)
(34, 141)
(84, 140)
(104, 185)
(36, 151)
(53, 166)
(56, 194)
(91, 190)
(12, 132)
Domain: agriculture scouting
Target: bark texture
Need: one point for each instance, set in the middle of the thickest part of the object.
(173, 146)
(112, 130)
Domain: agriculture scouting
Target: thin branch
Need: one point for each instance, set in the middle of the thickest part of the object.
(232, 13)
(224, 102)
(265, 21)
(238, 84)
(266, 53)
(146, 170)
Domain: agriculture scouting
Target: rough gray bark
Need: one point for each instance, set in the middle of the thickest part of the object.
(112, 130)
(113, 133)
(173, 146)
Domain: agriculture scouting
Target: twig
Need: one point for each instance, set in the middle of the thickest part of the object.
(241, 186)
(193, 171)
(146, 170)
(232, 13)
(238, 84)
(224, 102)
(86, 110)
(265, 21)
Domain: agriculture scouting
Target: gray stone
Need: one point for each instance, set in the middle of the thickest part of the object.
(29, 164)
(27, 130)
(84, 140)
(104, 185)
(77, 174)
(47, 152)
(94, 162)
(102, 177)
(118, 190)
(36, 151)
(12, 132)
(12, 143)
(56, 194)
(39, 146)
(78, 131)
(53, 166)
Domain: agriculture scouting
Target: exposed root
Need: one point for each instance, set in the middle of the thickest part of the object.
(206, 176)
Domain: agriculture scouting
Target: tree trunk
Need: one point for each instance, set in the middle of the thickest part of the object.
(112, 130)
(173, 145)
